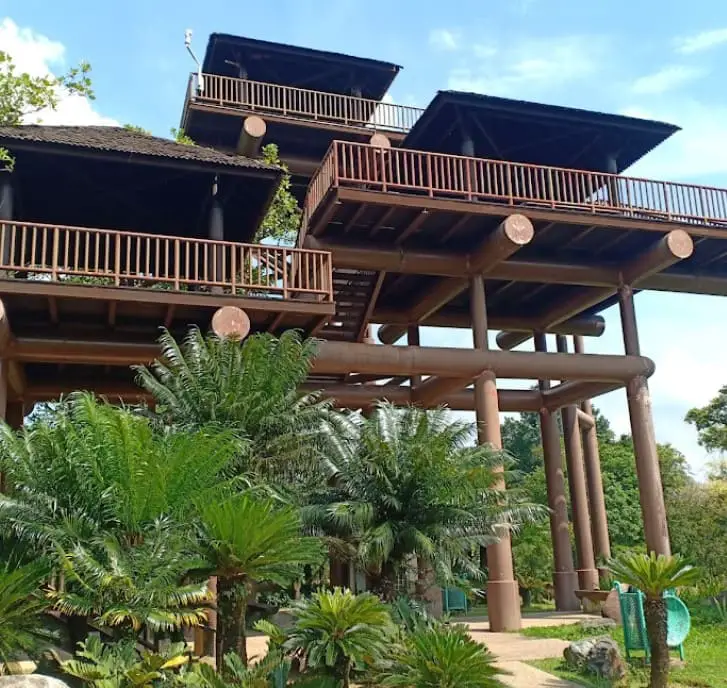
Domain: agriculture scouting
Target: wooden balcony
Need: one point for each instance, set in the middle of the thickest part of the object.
(380, 176)
(53, 275)
(287, 103)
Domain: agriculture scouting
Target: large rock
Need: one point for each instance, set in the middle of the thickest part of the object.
(31, 681)
(605, 660)
(598, 656)
(576, 654)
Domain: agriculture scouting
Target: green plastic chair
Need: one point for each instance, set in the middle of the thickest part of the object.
(454, 600)
(678, 622)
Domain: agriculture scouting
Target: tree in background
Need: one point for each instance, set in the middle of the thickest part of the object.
(410, 483)
(282, 220)
(23, 95)
(711, 422)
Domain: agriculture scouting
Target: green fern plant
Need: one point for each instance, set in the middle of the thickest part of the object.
(22, 603)
(120, 666)
(336, 632)
(442, 657)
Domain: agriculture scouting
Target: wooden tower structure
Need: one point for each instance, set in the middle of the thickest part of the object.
(479, 213)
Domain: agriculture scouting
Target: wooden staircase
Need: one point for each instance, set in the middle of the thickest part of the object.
(352, 292)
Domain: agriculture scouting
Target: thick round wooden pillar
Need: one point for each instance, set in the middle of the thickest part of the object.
(648, 473)
(586, 562)
(565, 579)
(596, 498)
(503, 599)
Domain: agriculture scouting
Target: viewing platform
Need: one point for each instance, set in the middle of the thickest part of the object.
(93, 280)
(278, 103)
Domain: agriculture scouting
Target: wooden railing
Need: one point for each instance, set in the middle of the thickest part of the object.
(124, 259)
(475, 179)
(301, 103)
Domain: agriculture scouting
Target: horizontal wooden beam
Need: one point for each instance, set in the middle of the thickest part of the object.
(340, 358)
(590, 326)
(344, 396)
(444, 264)
(513, 232)
(670, 249)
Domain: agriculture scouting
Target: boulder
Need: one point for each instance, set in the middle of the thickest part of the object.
(31, 681)
(599, 656)
(576, 654)
(605, 661)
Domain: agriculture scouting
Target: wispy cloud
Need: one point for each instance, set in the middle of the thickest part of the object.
(36, 54)
(666, 79)
(444, 39)
(697, 152)
(699, 42)
(528, 67)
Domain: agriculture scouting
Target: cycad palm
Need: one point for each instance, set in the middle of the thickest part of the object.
(251, 388)
(336, 631)
(248, 539)
(411, 482)
(138, 585)
(90, 469)
(442, 657)
(21, 606)
(654, 575)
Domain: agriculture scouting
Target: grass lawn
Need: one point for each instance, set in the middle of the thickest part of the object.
(705, 651)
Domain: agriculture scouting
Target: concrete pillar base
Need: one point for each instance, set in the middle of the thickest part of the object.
(503, 606)
(566, 584)
(587, 579)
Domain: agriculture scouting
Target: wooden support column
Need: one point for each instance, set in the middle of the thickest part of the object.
(586, 567)
(592, 460)
(565, 579)
(6, 210)
(503, 599)
(412, 339)
(216, 233)
(651, 492)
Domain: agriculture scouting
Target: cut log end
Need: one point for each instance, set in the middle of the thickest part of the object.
(518, 229)
(680, 243)
(230, 322)
(380, 140)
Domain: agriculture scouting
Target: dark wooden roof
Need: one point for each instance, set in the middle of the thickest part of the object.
(114, 178)
(291, 65)
(522, 131)
(131, 143)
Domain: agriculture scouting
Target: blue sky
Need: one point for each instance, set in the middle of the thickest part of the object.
(619, 56)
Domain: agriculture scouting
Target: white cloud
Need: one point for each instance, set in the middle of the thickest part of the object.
(705, 40)
(444, 39)
(666, 79)
(38, 55)
(527, 67)
(699, 150)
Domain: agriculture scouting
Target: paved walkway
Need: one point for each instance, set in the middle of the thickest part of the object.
(511, 649)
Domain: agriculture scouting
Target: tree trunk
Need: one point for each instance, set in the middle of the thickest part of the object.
(231, 618)
(384, 583)
(346, 674)
(655, 613)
